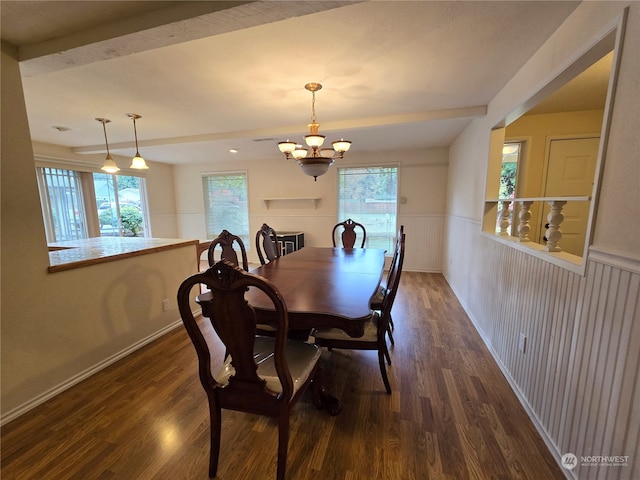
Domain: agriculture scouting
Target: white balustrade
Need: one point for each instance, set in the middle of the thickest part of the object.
(503, 217)
(553, 233)
(525, 215)
(555, 218)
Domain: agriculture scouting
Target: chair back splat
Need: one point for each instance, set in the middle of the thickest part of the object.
(349, 236)
(225, 242)
(259, 375)
(267, 241)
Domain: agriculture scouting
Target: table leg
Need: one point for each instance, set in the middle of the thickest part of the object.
(321, 397)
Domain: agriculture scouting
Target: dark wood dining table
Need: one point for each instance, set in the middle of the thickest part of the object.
(322, 287)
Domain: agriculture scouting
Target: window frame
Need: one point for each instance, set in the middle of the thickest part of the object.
(85, 173)
(47, 201)
(213, 232)
(391, 234)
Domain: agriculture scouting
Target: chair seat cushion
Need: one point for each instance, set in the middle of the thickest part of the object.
(301, 358)
(370, 332)
(378, 298)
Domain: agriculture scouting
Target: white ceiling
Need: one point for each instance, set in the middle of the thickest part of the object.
(210, 76)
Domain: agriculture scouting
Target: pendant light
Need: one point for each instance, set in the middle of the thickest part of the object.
(137, 161)
(109, 165)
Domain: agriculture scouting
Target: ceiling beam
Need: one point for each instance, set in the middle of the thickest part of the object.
(453, 113)
(178, 23)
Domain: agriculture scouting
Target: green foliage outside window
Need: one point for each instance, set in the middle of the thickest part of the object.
(508, 179)
(131, 220)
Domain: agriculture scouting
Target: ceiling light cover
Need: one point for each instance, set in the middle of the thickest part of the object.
(314, 161)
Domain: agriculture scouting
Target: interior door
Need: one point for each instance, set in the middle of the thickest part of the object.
(571, 170)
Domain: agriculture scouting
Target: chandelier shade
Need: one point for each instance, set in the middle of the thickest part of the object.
(314, 161)
(109, 165)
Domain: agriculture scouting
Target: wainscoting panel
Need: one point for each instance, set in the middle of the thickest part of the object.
(601, 416)
(578, 375)
(424, 254)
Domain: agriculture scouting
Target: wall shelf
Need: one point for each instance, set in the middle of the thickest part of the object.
(313, 200)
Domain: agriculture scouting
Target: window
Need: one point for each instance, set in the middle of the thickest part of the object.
(369, 195)
(508, 173)
(226, 205)
(120, 211)
(511, 159)
(62, 204)
(80, 204)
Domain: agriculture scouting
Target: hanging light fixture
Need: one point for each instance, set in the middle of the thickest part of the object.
(137, 161)
(109, 165)
(315, 161)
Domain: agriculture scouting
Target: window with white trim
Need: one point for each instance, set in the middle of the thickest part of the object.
(369, 195)
(62, 204)
(81, 204)
(226, 205)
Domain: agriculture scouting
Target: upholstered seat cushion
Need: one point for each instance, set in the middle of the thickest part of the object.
(378, 297)
(301, 358)
(370, 332)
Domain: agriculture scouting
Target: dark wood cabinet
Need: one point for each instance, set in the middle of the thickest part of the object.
(290, 241)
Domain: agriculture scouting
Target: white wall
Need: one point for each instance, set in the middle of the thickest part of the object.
(578, 377)
(422, 182)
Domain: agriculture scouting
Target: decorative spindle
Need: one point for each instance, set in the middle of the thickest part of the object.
(555, 218)
(525, 215)
(504, 217)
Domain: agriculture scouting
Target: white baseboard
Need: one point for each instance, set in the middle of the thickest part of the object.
(43, 397)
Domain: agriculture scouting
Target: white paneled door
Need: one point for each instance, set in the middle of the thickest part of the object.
(570, 172)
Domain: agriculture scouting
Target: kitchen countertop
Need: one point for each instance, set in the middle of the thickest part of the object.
(91, 251)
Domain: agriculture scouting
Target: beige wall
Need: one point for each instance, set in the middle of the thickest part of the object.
(58, 327)
(537, 129)
(578, 375)
(422, 183)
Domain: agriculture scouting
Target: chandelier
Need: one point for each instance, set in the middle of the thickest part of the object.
(314, 161)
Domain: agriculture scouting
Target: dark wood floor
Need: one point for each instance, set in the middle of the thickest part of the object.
(451, 416)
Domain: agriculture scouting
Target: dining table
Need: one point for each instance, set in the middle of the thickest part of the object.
(322, 287)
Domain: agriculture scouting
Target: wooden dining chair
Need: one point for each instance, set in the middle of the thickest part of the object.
(267, 241)
(374, 337)
(225, 242)
(378, 297)
(348, 236)
(259, 375)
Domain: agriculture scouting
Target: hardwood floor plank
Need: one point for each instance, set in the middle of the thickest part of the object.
(451, 416)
